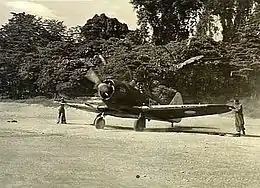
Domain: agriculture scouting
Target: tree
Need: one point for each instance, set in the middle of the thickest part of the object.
(56, 29)
(172, 20)
(65, 76)
(169, 20)
(9, 79)
(232, 14)
(22, 41)
(244, 52)
(23, 33)
(56, 61)
(74, 34)
(102, 27)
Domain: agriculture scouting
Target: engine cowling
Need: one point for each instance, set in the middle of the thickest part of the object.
(106, 89)
(120, 94)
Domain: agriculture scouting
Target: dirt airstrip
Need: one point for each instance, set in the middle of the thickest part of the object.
(36, 152)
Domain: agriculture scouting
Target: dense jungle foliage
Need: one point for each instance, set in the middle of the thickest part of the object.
(41, 57)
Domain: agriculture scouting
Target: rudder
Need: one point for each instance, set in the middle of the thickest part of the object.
(177, 99)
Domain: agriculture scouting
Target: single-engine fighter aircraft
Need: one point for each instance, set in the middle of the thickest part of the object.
(124, 100)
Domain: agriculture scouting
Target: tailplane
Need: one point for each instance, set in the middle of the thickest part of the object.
(177, 99)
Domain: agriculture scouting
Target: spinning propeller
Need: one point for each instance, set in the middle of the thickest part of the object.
(92, 76)
(105, 88)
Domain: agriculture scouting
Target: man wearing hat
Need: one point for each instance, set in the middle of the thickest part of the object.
(61, 116)
(239, 117)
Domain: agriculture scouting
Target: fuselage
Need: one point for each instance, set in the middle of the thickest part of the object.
(116, 94)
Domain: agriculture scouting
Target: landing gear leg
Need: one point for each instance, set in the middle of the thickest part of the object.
(94, 122)
(100, 121)
(140, 123)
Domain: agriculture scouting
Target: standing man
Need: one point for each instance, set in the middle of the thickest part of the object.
(61, 116)
(239, 118)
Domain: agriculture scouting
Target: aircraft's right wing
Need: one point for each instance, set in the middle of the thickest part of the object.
(168, 112)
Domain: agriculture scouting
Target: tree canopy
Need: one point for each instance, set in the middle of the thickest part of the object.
(43, 57)
(173, 20)
(169, 20)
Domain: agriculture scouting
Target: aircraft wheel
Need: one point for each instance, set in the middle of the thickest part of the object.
(139, 124)
(95, 120)
(100, 123)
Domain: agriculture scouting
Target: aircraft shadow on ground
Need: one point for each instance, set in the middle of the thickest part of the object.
(184, 129)
(170, 129)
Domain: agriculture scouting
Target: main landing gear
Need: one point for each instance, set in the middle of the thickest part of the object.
(99, 121)
(140, 123)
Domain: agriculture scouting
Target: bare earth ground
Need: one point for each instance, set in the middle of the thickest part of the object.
(36, 152)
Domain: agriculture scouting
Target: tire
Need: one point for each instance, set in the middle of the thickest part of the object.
(95, 120)
(139, 124)
(100, 123)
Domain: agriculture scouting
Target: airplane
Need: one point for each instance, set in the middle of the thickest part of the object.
(125, 100)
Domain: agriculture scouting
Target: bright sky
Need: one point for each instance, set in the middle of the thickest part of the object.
(72, 12)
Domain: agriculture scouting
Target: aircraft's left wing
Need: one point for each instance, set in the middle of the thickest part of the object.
(87, 107)
(168, 112)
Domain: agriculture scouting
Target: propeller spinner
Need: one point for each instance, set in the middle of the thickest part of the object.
(106, 89)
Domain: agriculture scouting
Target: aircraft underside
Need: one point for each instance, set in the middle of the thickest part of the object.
(169, 113)
(139, 124)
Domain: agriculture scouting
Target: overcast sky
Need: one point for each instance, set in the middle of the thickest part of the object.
(72, 12)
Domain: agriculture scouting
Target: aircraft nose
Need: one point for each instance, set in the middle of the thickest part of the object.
(105, 90)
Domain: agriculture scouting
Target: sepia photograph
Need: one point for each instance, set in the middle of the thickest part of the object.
(129, 93)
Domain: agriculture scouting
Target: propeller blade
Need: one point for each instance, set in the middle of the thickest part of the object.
(92, 76)
(189, 61)
(102, 59)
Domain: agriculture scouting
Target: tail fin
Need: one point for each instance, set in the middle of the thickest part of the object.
(177, 99)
